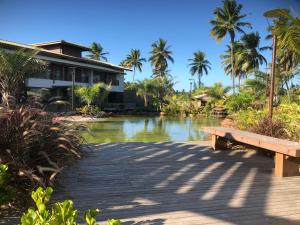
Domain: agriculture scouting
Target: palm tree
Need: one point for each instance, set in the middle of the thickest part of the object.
(218, 91)
(250, 55)
(227, 59)
(160, 55)
(227, 21)
(286, 28)
(14, 68)
(199, 65)
(145, 89)
(134, 60)
(97, 52)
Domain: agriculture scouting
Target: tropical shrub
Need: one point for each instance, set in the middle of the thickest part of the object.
(91, 111)
(61, 212)
(6, 191)
(36, 147)
(285, 115)
(274, 128)
(96, 93)
(238, 102)
(14, 68)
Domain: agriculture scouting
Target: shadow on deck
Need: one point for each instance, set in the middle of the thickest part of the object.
(180, 183)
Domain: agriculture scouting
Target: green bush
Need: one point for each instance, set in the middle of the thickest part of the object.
(62, 213)
(238, 102)
(6, 191)
(288, 114)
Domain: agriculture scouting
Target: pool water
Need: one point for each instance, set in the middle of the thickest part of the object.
(148, 129)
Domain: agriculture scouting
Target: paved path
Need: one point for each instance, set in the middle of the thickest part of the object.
(180, 183)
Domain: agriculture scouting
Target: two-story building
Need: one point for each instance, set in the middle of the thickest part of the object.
(65, 59)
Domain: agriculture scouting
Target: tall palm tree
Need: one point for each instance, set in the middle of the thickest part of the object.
(227, 21)
(250, 55)
(97, 52)
(227, 59)
(199, 65)
(160, 55)
(14, 68)
(286, 28)
(134, 60)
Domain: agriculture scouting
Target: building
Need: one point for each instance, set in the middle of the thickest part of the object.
(65, 58)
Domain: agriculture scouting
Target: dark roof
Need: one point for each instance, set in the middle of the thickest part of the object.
(45, 52)
(61, 42)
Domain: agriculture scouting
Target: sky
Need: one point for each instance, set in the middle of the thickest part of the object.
(120, 25)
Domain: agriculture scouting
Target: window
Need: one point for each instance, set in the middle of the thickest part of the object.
(82, 75)
(58, 72)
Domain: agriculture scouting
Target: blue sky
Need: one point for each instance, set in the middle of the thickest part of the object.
(120, 25)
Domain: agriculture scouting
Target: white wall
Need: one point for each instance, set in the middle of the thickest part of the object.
(47, 83)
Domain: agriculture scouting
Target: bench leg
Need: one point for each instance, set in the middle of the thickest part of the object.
(286, 166)
(217, 142)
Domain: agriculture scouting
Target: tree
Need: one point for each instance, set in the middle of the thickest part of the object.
(227, 59)
(199, 65)
(145, 89)
(249, 55)
(160, 55)
(286, 28)
(14, 68)
(218, 91)
(90, 94)
(97, 52)
(227, 21)
(134, 60)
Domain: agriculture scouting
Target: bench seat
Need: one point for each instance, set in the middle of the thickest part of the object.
(287, 152)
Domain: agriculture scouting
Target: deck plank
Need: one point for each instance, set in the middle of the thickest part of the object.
(180, 183)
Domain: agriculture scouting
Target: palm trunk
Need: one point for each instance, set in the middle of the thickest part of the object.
(199, 80)
(145, 101)
(133, 73)
(288, 91)
(232, 64)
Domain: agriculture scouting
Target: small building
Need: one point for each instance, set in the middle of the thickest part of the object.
(200, 100)
(63, 58)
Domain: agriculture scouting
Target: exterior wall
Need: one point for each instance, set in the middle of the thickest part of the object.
(68, 50)
(47, 83)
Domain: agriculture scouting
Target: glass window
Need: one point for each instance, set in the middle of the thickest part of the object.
(58, 72)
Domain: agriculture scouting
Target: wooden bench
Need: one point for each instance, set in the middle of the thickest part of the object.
(287, 153)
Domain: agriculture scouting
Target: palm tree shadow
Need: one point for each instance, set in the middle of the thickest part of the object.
(187, 181)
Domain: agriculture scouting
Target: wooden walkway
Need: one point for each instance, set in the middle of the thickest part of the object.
(180, 184)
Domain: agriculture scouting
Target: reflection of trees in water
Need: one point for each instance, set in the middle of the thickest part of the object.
(105, 131)
(148, 129)
(157, 133)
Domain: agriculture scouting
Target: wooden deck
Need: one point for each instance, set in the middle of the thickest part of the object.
(180, 183)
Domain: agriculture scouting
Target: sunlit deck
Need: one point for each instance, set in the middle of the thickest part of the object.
(180, 183)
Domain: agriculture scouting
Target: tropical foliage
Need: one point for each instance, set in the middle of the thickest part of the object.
(89, 94)
(134, 60)
(61, 213)
(199, 65)
(36, 147)
(160, 57)
(228, 21)
(97, 52)
(14, 68)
